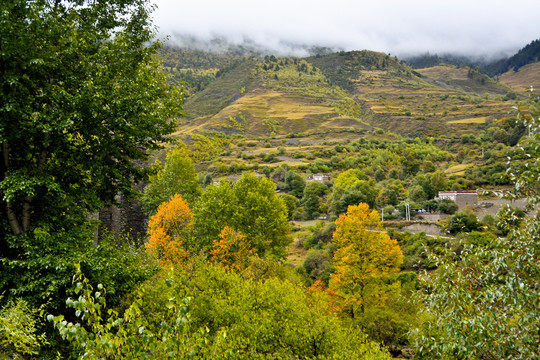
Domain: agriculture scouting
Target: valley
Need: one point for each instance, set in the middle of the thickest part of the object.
(163, 202)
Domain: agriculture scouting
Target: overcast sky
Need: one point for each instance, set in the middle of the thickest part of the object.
(401, 27)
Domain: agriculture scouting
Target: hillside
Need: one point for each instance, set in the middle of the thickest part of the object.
(254, 96)
(524, 78)
(424, 101)
(272, 96)
(527, 55)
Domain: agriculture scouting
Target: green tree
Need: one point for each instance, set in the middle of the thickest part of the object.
(203, 311)
(250, 207)
(312, 199)
(291, 202)
(360, 192)
(463, 221)
(83, 95)
(431, 183)
(447, 206)
(348, 178)
(178, 176)
(417, 194)
(380, 175)
(105, 334)
(318, 265)
(392, 192)
(295, 183)
(483, 302)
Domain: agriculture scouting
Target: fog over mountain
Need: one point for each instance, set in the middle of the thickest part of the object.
(481, 28)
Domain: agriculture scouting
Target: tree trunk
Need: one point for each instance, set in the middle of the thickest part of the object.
(26, 213)
(13, 221)
(16, 227)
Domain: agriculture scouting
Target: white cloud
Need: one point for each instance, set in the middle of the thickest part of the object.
(401, 27)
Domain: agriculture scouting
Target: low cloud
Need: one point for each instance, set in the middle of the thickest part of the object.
(488, 29)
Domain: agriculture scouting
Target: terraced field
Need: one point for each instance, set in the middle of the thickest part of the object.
(418, 104)
(336, 93)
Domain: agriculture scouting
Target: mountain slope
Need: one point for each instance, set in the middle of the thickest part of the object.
(524, 78)
(272, 96)
(430, 101)
(527, 55)
(347, 90)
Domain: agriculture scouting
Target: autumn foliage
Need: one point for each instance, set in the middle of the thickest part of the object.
(363, 255)
(167, 230)
(232, 249)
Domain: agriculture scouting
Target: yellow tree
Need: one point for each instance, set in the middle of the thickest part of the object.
(167, 230)
(232, 249)
(364, 254)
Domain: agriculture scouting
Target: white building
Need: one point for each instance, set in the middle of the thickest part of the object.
(461, 198)
(322, 178)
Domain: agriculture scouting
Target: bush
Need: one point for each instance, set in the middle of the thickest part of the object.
(416, 248)
(446, 206)
(318, 265)
(463, 221)
(44, 274)
(322, 235)
(18, 328)
(203, 311)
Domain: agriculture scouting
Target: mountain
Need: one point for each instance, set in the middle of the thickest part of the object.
(528, 55)
(252, 95)
(272, 96)
(429, 60)
(522, 80)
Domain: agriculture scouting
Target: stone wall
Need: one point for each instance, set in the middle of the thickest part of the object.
(126, 219)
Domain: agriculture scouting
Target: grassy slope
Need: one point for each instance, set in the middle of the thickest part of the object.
(264, 98)
(462, 79)
(347, 90)
(523, 79)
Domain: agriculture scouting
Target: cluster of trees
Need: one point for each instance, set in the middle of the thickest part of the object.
(529, 54)
(314, 199)
(482, 301)
(482, 156)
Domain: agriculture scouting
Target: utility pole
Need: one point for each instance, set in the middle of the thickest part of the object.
(407, 212)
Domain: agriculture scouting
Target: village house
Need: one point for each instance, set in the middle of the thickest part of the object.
(461, 198)
(322, 178)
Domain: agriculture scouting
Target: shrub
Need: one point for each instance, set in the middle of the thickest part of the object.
(463, 221)
(204, 311)
(18, 328)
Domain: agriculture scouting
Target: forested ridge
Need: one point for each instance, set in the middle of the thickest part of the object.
(282, 198)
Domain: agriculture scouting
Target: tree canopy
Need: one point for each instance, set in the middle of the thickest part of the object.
(177, 176)
(482, 302)
(363, 253)
(83, 96)
(250, 207)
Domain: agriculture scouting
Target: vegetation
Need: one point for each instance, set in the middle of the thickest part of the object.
(483, 301)
(69, 134)
(18, 331)
(277, 222)
(177, 176)
(250, 207)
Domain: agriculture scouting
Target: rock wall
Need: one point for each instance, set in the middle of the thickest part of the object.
(127, 219)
